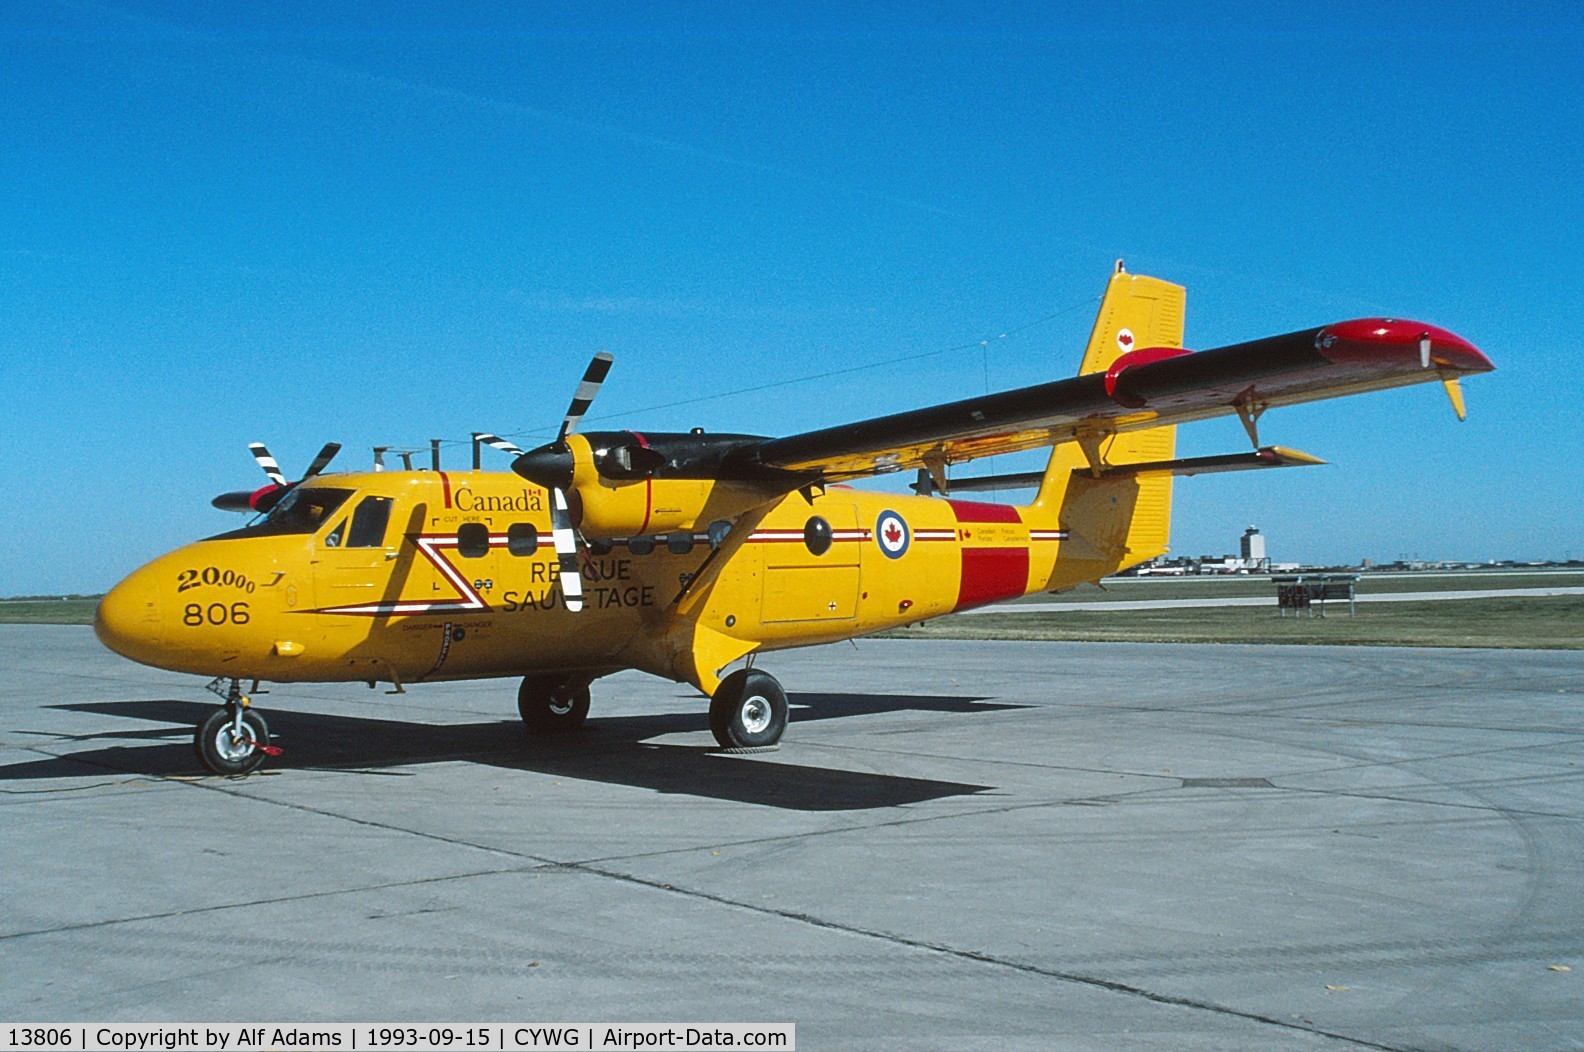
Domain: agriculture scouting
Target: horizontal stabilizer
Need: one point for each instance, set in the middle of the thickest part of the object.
(1265, 457)
(980, 483)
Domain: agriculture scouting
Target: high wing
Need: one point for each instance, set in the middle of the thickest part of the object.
(1145, 388)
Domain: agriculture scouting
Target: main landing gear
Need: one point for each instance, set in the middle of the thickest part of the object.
(748, 711)
(551, 705)
(234, 739)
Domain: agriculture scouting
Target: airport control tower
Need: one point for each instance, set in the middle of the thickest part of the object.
(1251, 549)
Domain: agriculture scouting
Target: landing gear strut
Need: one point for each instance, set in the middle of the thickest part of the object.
(748, 711)
(234, 739)
(552, 705)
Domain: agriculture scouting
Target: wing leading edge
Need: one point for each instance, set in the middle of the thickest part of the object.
(1146, 388)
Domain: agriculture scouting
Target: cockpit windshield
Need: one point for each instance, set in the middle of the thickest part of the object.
(303, 510)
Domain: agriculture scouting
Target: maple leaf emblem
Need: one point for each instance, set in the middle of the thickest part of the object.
(893, 534)
(1125, 339)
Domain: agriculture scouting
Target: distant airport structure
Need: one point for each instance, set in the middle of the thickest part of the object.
(1252, 558)
(1252, 549)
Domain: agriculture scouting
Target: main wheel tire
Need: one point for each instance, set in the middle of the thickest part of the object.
(552, 706)
(222, 752)
(748, 711)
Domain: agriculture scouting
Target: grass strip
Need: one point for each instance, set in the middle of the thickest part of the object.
(1544, 622)
(47, 611)
(1547, 623)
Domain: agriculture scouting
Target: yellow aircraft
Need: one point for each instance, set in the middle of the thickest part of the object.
(682, 553)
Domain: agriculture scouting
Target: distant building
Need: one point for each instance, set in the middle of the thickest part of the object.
(1251, 559)
(1251, 550)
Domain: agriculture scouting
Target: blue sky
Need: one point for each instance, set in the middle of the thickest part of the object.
(384, 223)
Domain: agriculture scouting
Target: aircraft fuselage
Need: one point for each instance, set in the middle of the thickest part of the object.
(411, 576)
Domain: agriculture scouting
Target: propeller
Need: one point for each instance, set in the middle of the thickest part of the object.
(551, 466)
(266, 497)
(561, 534)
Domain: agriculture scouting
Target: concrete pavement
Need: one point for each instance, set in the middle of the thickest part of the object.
(959, 845)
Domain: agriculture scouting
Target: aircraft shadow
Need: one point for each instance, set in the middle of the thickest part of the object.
(612, 750)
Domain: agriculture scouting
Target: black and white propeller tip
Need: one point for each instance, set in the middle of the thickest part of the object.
(587, 389)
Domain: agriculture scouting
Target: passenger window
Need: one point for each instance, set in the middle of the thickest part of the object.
(641, 545)
(369, 520)
(718, 531)
(599, 546)
(333, 538)
(679, 543)
(473, 540)
(522, 538)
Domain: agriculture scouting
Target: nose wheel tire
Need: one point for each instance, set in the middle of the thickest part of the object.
(552, 707)
(221, 749)
(748, 711)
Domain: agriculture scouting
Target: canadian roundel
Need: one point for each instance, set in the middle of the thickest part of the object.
(892, 534)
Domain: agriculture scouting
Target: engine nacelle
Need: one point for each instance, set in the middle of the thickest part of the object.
(625, 483)
(603, 508)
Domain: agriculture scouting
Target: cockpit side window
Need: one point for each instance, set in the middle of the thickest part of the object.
(303, 510)
(369, 520)
(333, 538)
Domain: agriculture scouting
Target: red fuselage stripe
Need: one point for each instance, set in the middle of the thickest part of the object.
(973, 511)
(992, 574)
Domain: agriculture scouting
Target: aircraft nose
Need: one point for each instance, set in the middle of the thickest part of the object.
(128, 618)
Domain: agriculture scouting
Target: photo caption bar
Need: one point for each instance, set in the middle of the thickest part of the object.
(410, 1037)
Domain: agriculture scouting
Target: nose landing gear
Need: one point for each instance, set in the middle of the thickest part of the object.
(233, 739)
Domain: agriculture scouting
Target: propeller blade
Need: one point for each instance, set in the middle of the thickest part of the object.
(322, 461)
(566, 551)
(267, 462)
(497, 442)
(593, 377)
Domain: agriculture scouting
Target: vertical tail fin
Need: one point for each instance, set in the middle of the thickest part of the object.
(1135, 312)
(1112, 523)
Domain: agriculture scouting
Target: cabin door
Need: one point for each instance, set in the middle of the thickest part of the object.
(351, 563)
(814, 576)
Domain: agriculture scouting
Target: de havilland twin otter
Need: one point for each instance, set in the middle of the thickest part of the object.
(682, 553)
